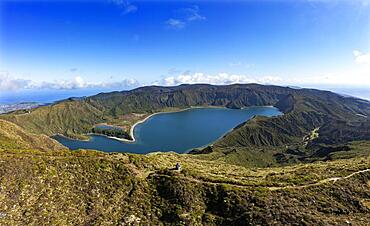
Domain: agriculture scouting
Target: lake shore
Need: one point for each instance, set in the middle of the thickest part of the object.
(132, 128)
(157, 113)
(172, 111)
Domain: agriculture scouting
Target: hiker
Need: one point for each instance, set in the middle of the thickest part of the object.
(178, 166)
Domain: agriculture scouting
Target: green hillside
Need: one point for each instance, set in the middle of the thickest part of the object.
(262, 141)
(316, 125)
(288, 138)
(14, 137)
(70, 117)
(76, 115)
(315, 159)
(61, 187)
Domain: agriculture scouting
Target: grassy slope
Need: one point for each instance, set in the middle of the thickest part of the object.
(67, 117)
(93, 188)
(61, 187)
(266, 141)
(75, 117)
(13, 136)
(306, 113)
(259, 142)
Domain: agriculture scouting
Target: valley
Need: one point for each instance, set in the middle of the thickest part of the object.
(174, 131)
(277, 140)
(308, 165)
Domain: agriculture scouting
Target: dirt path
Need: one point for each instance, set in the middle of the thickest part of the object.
(152, 173)
(327, 180)
(332, 179)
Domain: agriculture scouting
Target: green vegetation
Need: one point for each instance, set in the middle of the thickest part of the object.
(61, 187)
(71, 118)
(309, 166)
(13, 137)
(111, 132)
(261, 141)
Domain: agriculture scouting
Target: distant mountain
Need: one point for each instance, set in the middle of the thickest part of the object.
(44, 183)
(305, 111)
(295, 87)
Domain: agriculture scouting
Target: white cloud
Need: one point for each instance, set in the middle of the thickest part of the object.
(129, 83)
(185, 16)
(356, 78)
(361, 58)
(80, 83)
(75, 83)
(350, 78)
(240, 64)
(192, 14)
(235, 64)
(126, 6)
(175, 23)
(9, 84)
(218, 79)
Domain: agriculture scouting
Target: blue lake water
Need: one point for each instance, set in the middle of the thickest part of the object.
(177, 131)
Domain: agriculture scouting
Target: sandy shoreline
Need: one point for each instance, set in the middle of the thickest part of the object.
(132, 129)
(157, 113)
(164, 112)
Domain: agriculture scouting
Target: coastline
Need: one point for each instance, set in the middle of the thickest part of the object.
(89, 137)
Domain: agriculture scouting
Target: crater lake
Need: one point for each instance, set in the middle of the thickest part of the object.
(174, 131)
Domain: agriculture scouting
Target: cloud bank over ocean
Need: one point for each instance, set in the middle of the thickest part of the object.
(20, 90)
(8, 83)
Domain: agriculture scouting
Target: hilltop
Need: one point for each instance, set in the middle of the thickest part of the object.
(315, 123)
(85, 187)
(315, 162)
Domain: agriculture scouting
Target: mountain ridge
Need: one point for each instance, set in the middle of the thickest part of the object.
(235, 183)
(304, 110)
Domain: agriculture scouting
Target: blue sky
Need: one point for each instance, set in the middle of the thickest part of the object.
(119, 44)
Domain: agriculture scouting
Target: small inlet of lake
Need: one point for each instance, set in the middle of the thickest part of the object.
(176, 131)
